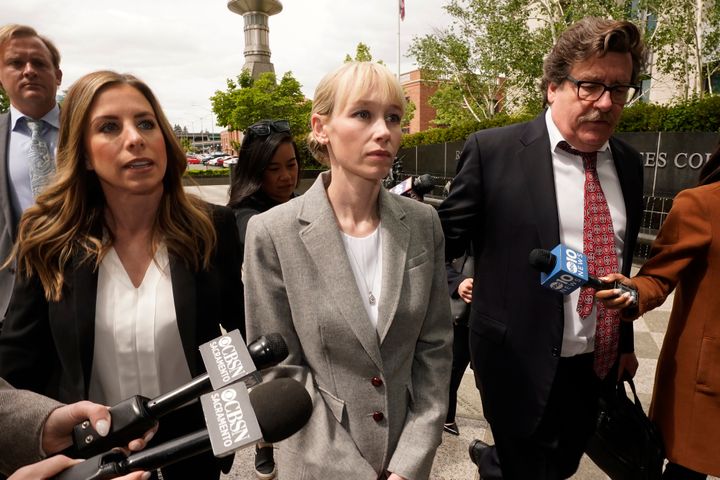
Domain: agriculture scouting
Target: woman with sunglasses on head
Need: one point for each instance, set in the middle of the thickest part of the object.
(121, 275)
(265, 175)
(353, 278)
(267, 171)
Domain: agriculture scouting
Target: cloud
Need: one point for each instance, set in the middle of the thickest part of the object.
(186, 49)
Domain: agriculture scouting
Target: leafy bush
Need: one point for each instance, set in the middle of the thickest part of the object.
(210, 172)
(693, 116)
(643, 117)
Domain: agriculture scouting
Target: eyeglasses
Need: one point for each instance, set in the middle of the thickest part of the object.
(620, 94)
(266, 127)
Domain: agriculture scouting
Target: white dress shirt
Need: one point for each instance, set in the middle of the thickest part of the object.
(18, 155)
(569, 174)
(137, 350)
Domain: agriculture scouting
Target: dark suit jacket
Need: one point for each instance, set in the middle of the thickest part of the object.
(503, 202)
(47, 347)
(8, 220)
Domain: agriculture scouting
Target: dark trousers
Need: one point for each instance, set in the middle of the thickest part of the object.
(673, 471)
(554, 450)
(460, 361)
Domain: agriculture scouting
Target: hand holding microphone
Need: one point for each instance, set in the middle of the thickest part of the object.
(272, 412)
(564, 270)
(226, 359)
(618, 298)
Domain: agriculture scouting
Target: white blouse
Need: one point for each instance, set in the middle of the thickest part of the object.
(365, 257)
(137, 348)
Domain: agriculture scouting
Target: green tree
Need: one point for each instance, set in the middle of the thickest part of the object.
(186, 144)
(684, 36)
(490, 58)
(247, 100)
(4, 102)
(362, 54)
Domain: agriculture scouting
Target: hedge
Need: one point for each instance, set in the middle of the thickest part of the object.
(695, 115)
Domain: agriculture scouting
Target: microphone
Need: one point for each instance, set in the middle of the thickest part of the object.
(226, 359)
(564, 270)
(415, 189)
(281, 408)
(423, 184)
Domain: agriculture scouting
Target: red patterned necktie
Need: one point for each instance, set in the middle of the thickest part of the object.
(599, 247)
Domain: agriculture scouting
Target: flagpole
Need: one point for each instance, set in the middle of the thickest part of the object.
(398, 39)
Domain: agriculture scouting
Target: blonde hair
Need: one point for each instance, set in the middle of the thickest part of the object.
(346, 84)
(14, 30)
(66, 223)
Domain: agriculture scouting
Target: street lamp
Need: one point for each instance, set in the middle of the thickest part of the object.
(212, 120)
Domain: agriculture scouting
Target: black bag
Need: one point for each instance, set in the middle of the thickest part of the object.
(626, 444)
(458, 307)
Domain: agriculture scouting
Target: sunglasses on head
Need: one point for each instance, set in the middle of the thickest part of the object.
(266, 127)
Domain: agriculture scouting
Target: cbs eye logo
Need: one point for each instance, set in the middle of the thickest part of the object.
(571, 267)
(556, 285)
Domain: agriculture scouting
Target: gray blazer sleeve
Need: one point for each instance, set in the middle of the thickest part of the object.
(22, 418)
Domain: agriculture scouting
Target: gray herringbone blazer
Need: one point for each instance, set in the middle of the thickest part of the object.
(22, 418)
(380, 396)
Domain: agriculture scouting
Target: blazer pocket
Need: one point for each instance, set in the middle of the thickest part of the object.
(419, 259)
(336, 406)
(708, 374)
(489, 328)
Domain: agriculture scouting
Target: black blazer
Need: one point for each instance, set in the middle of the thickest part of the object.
(8, 218)
(47, 347)
(503, 202)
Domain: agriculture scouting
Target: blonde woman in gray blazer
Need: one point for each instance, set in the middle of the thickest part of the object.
(354, 279)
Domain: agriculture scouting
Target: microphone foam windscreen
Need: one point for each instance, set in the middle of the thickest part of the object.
(424, 184)
(277, 345)
(542, 260)
(282, 407)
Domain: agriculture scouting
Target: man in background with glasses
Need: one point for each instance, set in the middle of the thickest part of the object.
(541, 359)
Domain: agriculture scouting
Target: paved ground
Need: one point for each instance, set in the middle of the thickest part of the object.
(452, 461)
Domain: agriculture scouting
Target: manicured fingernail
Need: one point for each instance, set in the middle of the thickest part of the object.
(145, 476)
(102, 427)
(149, 436)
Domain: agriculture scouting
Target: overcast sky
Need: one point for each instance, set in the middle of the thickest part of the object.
(186, 49)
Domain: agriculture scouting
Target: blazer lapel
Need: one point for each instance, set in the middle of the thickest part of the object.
(395, 242)
(535, 161)
(82, 297)
(5, 202)
(321, 237)
(184, 296)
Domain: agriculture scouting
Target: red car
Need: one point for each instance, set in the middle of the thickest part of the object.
(192, 160)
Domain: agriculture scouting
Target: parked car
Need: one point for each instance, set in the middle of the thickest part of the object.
(230, 161)
(193, 160)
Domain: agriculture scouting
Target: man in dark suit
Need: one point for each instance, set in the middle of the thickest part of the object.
(30, 76)
(523, 187)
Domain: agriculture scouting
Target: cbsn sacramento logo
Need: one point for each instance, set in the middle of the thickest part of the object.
(569, 273)
(230, 420)
(227, 359)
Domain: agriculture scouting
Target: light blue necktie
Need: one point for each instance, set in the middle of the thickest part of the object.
(41, 163)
